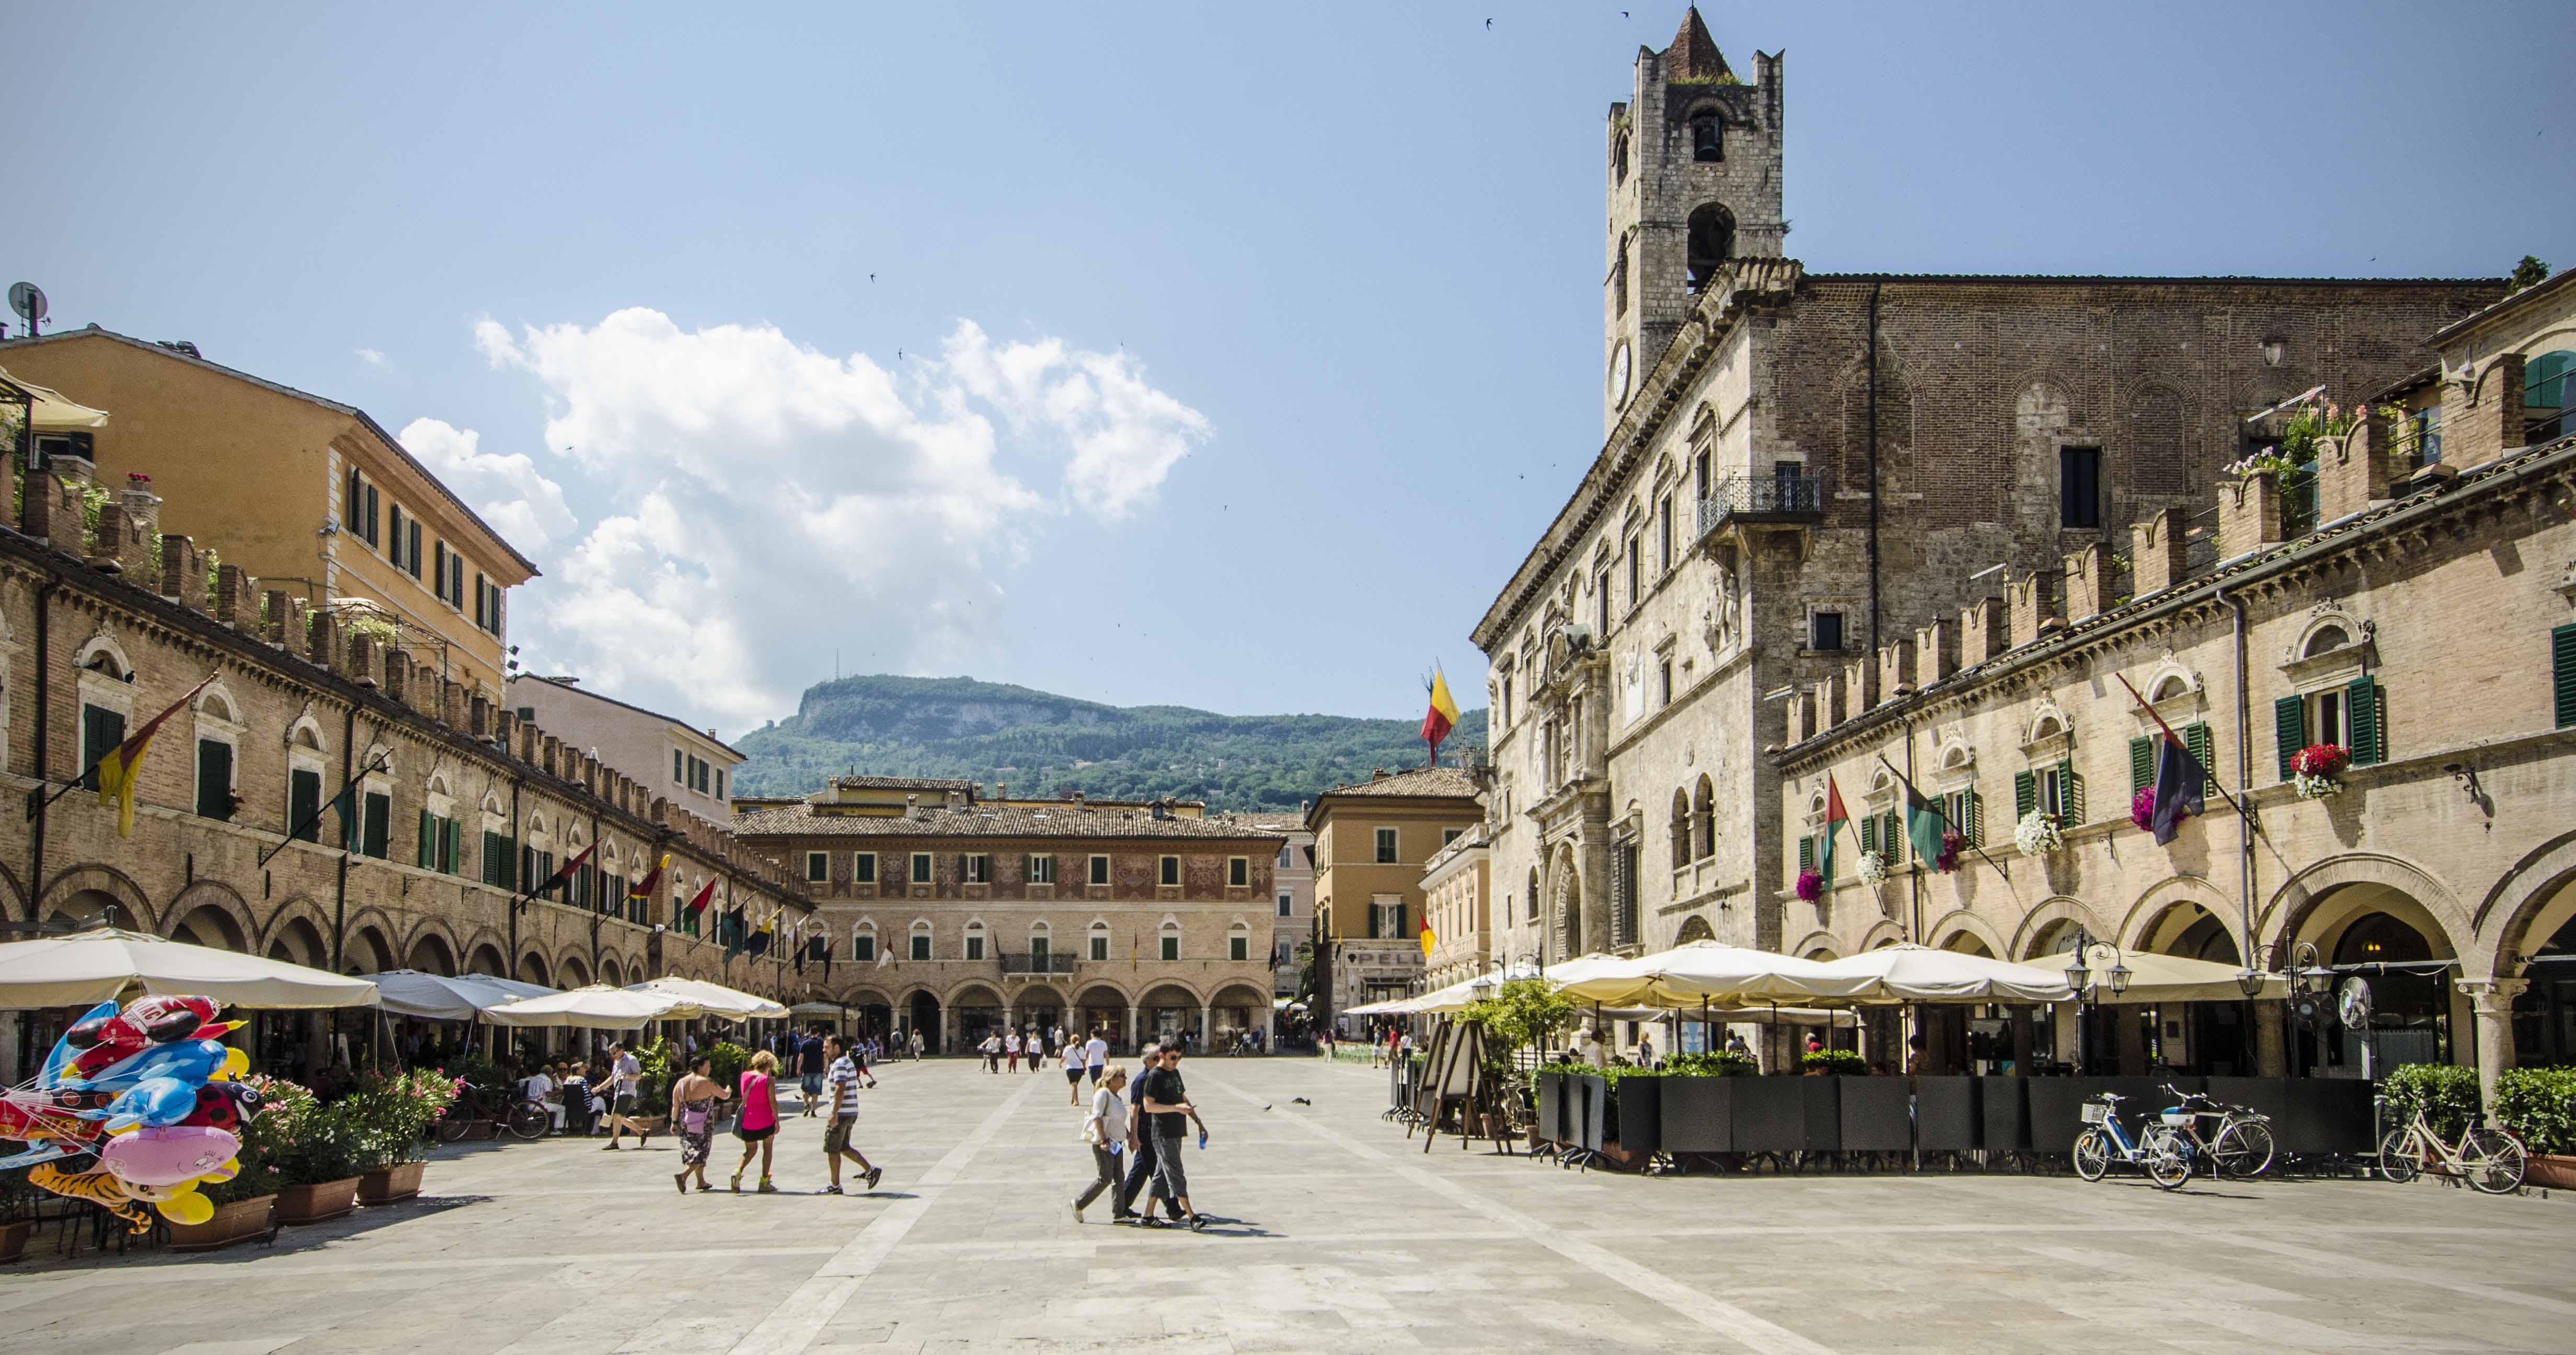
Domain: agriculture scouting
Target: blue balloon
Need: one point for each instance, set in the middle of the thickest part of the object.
(189, 1061)
(153, 1101)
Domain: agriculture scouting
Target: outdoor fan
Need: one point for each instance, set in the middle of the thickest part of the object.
(2352, 1002)
(2309, 1010)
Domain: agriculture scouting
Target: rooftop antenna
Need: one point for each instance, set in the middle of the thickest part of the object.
(28, 300)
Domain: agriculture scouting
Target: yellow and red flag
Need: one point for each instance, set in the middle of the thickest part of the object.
(1429, 937)
(119, 768)
(652, 879)
(1442, 717)
(705, 892)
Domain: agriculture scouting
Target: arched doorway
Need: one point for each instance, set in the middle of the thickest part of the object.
(1566, 908)
(430, 955)
(296, 1045)
(1695, 928)
(925, 1021)
(2206, 1038)
(977, 1012)
(1104, 1013)
(1238, 1011)
(872, 1014)
(2410, 1007)
(1037, 1008)
(367, 951)
(1167, 1011)
(532, 969)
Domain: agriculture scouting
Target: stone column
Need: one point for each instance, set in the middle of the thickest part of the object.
(1135, 1032)
(2492, 1002)
(2271, 1054)
(1207, 1028)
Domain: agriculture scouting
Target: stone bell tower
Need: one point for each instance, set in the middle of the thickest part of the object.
(1692, 180)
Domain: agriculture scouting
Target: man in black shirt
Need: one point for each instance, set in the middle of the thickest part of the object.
(1169, 1114)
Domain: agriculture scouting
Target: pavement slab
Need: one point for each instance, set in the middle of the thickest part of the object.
(1337, 1232)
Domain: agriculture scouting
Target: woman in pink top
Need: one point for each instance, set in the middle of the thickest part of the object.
(758, 1128)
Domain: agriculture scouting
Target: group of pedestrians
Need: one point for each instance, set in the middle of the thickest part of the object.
(696, 1098)
(1143, 1124)
(1003, 1049)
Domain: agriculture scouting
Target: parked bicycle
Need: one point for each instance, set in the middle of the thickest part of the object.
(510, 1112)
(2237, 1140)
(2490, 1160)
(2161, 1149)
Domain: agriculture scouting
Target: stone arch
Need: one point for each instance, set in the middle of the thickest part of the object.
(2528, 903)
(368, 947)
(298, 908)
(1962, 924)
(534, 969)
(432, 951)
(2154, 908)
(1681, 828)
(2042, 919)
(306, 733)
(1565, 903)
(297, 939)
(1818, 945)
(1165, 986)
(209, 913)
(574, 971)
(108, 885)
(1708, 242)
(975, 993)
(1107, 994)
(106, 654)
(2305, 907)
(1883, 932)
(2326, 630)
(483, 956)
(1704, 819)
(218, 701)
(1695, 928)
(612, 971)
(861, 995)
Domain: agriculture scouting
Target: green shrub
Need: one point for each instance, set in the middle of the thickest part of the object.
(389, 1116)
(2447, 1094)
(2540, 1105)
(1841, 1062)
(1716, 1063)
(728, 1060)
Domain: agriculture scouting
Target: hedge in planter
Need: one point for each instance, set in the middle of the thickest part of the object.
(2446, 1093)
(389, 1118)
(2540, 1105)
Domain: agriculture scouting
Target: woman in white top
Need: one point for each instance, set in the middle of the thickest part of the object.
(537, 1087)
(1106, 1131)
(1074, 1063)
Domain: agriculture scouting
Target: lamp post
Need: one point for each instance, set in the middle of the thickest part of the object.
(2078, 976)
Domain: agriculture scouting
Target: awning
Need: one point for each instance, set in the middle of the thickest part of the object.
(1703, 971)
(718, 1000)
(408, 992)
(597, 1007)
(1912, 973)
(830, 1009)
(51, 413)
(99, 965)
(2167, 978)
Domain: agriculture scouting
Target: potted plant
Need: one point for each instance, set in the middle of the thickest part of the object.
(1811, 885)
(1833, 1063)
(246, 1205)
(1521, 1014)
(314, 1150)
(2539, 1105)
(2315, 768)
(653, 1088)
(1873, 869)
(17, 1212)
(2038, 833)
(390, 1117)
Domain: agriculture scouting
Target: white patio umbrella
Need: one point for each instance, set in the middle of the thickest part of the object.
(2166, 978)
(52, 413)
(732, 1003)
(1912, 973)
(408, 992)
(597, 1007)
(1700, 973)
(98, 965)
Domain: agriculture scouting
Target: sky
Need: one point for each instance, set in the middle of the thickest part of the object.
(1228, 356)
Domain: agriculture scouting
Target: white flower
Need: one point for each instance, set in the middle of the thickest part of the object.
(1873, 868)
(2038, 833)
(2315, 787)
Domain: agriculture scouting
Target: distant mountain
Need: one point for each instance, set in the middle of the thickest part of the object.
(1037, 742)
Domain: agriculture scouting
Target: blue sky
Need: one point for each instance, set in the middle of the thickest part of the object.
(1244, 349)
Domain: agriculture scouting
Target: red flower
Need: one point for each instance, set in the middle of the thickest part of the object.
(1811, 885)
(2321, 759)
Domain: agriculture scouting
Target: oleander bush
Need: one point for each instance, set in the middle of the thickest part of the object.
(2447, 1094)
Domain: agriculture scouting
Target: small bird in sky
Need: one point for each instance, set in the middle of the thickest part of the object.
(1299, 1101)
(872, 277)
(1489, 24)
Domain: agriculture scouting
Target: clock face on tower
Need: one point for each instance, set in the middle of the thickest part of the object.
(1619, 375)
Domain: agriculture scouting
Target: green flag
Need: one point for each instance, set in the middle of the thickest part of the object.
(1835, 817)
(1924, 825)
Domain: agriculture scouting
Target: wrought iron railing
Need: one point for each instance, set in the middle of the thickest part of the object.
(1775, 495)
(2199, 544)
(1050, 963)
(2298, 501)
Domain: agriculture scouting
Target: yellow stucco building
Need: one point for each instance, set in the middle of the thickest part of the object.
(1372, 840)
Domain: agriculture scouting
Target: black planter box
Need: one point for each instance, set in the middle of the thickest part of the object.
(1640, 1118)
(1591, 1097)
(1551, 1108)
(2004, 1112)
(1770, 1114)
(1946, 1116)
(1873, 1111)
(1698, 1114)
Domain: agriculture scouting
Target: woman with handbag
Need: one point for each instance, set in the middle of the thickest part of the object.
(1106, 1131)
(693, 1114)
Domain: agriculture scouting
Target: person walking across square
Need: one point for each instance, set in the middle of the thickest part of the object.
(809, 1069)
(1074, 1063)
(693, 1118)
(1166, 1103)
(1011, 1049)
(625, 1071)
(758, 1127)
(841, 1084)
(1106, 1132)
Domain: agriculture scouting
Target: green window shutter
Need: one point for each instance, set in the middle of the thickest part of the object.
(1807, 853)
(2142, 764)
(448, 840)
(2071, 791)
(2562, 663)
(1869, 833)
(1971, 809)
(425, 846)
(2369, 739)
(2025, 795)
(2195, 736)
(1891, 835)
(2289, 730)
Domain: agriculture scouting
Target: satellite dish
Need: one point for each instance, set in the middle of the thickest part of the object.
(2352, 1002)
(28, 300)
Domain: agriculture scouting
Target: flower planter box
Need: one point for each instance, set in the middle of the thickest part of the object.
(13, 1240)
(385, 1185)
(236, 1222)
(2546, 1170)
(317, 1202)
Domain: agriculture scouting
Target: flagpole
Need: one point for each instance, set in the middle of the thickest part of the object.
(2208, 777)
(34, 808)
(1935, 807)
(315, 819)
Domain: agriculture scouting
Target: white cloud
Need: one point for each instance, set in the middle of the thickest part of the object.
(771, 500)
(373, 358)
(520, 503)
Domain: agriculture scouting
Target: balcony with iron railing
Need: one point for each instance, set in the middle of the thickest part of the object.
(1785, 496)
(1050, 963)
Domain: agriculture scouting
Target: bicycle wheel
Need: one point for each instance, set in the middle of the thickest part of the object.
(2401, 1158)
(2493, 1161)
(528, 1120)
(2168, 1160)
(2244, 1148)
(450, 1127)
(2092, 1153)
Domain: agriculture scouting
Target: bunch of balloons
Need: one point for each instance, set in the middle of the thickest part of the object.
(135, 1107)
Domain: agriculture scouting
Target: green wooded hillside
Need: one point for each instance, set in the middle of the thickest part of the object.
(1038, 741)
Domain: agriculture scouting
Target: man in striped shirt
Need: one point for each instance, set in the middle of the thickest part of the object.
(841, 1084)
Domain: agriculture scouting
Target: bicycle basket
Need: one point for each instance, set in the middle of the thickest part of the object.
(2095, 1112)
(2181, 1119)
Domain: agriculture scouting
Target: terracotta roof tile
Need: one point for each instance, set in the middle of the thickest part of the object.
(990, 821)
(1420, 781)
